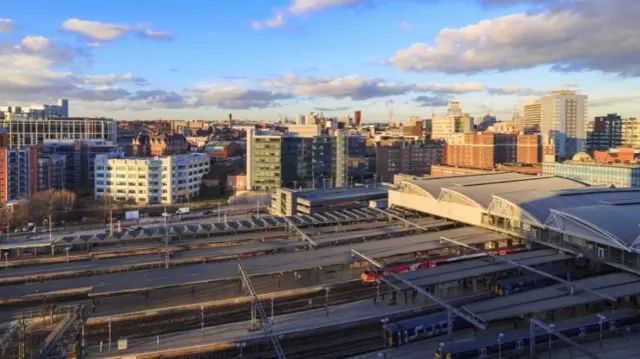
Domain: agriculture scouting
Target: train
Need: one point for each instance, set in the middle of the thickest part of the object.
(369, 277)
(513, 285)
(518, 340)
(428, 326)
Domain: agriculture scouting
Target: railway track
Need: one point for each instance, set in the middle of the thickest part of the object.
(130, 327)
(160, 263)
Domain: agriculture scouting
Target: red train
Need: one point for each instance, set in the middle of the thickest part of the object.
(371, 277)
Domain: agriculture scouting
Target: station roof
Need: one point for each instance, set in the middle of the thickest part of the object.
(346, 193)
(206, 227)
(601, 214)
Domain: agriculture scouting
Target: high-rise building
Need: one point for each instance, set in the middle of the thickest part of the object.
(286, 160)
(561, 115)
(529, 149)
(156, 180)
(604, 132)
(30, 132)
(18, 173)
(357, 118)
(532, 120)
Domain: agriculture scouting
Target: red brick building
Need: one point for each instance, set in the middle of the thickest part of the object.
(529, 149)
(168, 145)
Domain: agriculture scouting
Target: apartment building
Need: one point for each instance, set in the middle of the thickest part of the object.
(24, 131)
(18, 173)
(480, 150)
(454, 122)
(412, 159)
(156, 180)
(561, 115)
(604, 132)
(631, 132)
(52, 172)
(79, 161)
(276, 160)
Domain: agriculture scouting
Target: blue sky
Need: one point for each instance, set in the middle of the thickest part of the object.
(257, 59)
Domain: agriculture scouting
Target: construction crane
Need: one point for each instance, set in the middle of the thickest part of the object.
(390, 112)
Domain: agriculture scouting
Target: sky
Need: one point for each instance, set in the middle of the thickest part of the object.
(260, 59)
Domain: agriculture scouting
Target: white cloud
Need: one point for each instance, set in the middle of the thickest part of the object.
(235, 97)
(101, 32)
(94, 30)
(276, 21)
(362, 88)
(156, 35)
(298, 8)
(109, 79)
(571, 36)
(35, 43)
(6, 25)
(452, 88)
(405, 26)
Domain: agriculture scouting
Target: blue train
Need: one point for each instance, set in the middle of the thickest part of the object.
(427, 326)
(509, 286)
(518, 340)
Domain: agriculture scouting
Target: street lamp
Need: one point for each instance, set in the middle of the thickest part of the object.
(602, 319)
(202, 319)
(272, 311)
(6, 260)
(500, 345)
(67, 249)
(326, 300)
(240, 346)
(551, 327)
(109, 333)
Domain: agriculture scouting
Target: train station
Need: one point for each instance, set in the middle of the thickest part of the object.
(496, 265)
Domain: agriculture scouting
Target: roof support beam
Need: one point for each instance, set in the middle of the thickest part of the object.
(289, 223)
(572, 286)
(264, 319)
(466, 315)
(551, 330)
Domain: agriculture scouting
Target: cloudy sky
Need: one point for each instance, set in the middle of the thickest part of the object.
(203, 59)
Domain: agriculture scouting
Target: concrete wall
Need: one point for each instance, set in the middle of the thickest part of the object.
(454, 211)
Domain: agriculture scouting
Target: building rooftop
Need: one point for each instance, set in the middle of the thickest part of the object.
(599, 213)
(331, 194)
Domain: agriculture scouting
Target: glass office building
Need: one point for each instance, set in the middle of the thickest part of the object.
(594, 174)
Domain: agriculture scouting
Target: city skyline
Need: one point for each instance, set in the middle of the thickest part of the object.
(258, 60)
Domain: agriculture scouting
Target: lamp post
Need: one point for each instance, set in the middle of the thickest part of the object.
(109, 333)
(6, 260)
(240, 346)
(202, 319)
(67, 249)
(272, 310)
(602, 319)
(500, 345)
